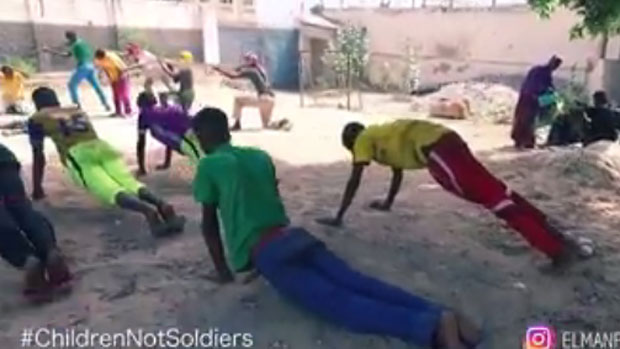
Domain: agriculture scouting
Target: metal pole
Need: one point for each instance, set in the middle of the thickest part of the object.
(301, 78)
(348, 81)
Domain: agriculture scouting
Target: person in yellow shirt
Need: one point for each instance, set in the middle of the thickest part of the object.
(114, 67)
(12, 82)
(415, 144)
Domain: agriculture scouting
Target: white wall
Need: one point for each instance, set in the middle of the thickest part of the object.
(278, 13)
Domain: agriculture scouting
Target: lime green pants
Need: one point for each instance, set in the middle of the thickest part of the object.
(101, 170)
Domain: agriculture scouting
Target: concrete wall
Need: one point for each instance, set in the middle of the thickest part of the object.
(495, 44)
(168, 27)
(277, 49)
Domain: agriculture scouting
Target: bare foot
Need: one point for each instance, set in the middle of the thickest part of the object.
(469, 333)
(448, 332)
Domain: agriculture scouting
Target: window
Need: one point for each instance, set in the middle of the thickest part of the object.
(248, 3)
(226, 2)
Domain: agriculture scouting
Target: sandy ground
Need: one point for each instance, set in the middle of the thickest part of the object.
(431, 243)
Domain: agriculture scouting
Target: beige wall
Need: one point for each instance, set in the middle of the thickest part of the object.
(472, 43)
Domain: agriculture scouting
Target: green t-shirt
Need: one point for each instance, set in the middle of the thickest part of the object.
(241, 182)
(82, 52)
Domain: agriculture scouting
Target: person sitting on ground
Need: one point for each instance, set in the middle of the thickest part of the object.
(183, 75)
(169, 125)
(27, 239)
(415, 144)
(239, 185)
(253, 71)
(604, 122)
(92, 163)
(12, 82)
(114, 68)
(568, 128)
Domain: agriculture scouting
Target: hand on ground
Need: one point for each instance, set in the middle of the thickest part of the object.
(38, 194)
(379, 205)
(220, 279)
(332, 222)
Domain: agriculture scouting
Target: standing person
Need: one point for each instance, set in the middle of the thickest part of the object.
(27, 239)
(92, 163)
(539, 80)
(12, 82)
(150, 66)
(114, 68)
(240, 186)
(183, 75)
(416, 144)
(83, 55)
(253, 71)
(169, 125)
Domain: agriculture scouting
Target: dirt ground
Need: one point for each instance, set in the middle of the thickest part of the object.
(431, 243)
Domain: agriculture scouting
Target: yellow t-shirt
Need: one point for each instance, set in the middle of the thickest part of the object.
(13, 88)
(112, 65)
(397, 144)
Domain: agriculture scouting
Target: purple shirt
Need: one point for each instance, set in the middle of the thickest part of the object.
(167, 124)
(538, 80)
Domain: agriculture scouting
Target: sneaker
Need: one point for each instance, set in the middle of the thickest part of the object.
(36, 288)
(157, 227)
(281, 125)
(58, 272)
(175, 223)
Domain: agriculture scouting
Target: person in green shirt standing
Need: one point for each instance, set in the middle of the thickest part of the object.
(85, 69)
(241, 184)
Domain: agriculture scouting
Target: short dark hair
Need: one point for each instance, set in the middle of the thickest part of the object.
(100, 53)
(600, 97)
(212, 122)
(6, 69)
(45, 97)
(69, 34)
(146, 99)
(350, 133)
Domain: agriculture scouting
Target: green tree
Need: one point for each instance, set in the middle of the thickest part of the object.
(598, 17)
(349, 54)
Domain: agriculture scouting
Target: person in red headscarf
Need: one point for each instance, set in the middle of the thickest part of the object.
(252, 70)
(149, 64)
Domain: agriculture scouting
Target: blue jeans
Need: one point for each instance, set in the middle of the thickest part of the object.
(86, 71)
(304, 271)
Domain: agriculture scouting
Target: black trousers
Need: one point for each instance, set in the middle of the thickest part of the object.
(24, 231)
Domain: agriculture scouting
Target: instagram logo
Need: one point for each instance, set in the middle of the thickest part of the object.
(539, 337)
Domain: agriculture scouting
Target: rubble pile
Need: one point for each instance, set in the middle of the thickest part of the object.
(490, 102)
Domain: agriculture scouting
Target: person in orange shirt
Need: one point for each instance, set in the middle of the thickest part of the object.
(12, 82)
(114, 68)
